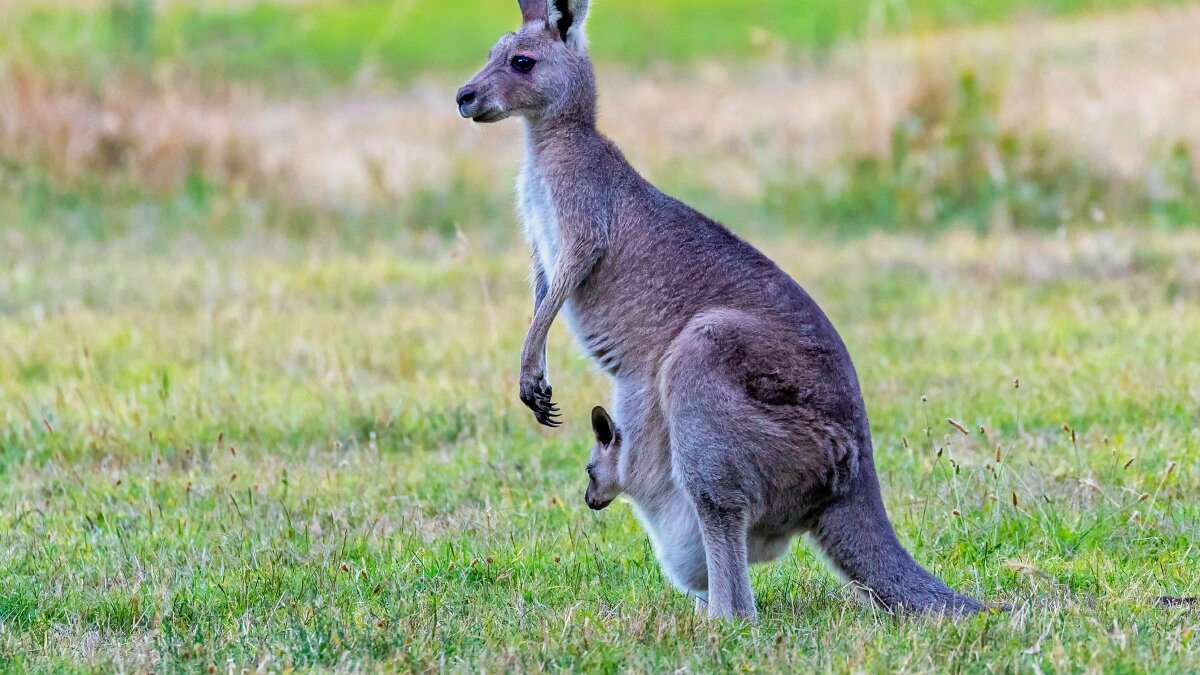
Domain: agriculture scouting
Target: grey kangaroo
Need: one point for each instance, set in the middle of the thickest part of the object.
(738, 413)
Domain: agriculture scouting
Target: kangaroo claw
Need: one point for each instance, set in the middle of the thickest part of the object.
(536, 394)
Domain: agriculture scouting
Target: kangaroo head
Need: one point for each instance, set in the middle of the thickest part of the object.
(604, 481)
(540, 70)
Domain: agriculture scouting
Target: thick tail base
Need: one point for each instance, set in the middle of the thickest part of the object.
(857, 537)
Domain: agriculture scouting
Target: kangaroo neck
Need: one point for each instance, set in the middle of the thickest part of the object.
(558, 135)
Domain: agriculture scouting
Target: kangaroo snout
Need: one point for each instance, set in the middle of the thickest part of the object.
(465, 99)
(595, 503)
(477, 104)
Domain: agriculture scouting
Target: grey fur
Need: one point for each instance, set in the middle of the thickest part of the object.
(739, 420)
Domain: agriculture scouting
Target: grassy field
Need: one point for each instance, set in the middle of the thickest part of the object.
(306, 451)
(259, 335)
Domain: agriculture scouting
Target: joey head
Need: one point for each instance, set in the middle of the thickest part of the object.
(603, 468)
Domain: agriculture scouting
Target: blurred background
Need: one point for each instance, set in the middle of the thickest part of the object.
(826, 116)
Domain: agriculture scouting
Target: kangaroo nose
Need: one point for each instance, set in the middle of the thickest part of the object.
(465, 96)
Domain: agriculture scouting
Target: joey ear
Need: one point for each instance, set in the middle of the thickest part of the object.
(534, 10)
(603, 426)
(568, 17)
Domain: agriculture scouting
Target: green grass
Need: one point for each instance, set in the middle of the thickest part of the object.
(224, 444)
(238, 430)
(322, 43)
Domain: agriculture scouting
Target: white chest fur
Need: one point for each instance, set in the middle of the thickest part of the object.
(538, 217)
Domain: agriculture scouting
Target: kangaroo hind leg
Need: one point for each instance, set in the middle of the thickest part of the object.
(712, 482)
(710, 450)
(729, 592)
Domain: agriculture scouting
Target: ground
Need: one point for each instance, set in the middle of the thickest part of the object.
(258, 410)
(311, 454)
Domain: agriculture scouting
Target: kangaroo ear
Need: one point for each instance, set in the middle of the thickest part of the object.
(534, 10)
(568, 17)
(603, 426)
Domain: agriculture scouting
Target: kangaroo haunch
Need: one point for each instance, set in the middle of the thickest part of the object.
(738, 417)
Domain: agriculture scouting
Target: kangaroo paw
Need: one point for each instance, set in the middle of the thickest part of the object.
(536, 394)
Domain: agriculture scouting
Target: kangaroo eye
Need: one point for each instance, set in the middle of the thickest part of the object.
(522, 64)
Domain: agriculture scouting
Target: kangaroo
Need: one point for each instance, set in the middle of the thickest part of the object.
(738, 409)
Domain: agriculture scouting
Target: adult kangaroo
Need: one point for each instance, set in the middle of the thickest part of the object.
(739, 410)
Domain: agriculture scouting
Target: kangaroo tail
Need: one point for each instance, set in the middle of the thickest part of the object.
(859, 541)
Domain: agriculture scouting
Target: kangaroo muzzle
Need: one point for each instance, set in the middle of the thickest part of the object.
(595, 503)
(473, 104)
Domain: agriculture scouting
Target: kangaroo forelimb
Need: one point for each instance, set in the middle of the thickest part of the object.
(572, 268)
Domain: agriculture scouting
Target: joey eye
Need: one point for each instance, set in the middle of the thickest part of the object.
(522, 64)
